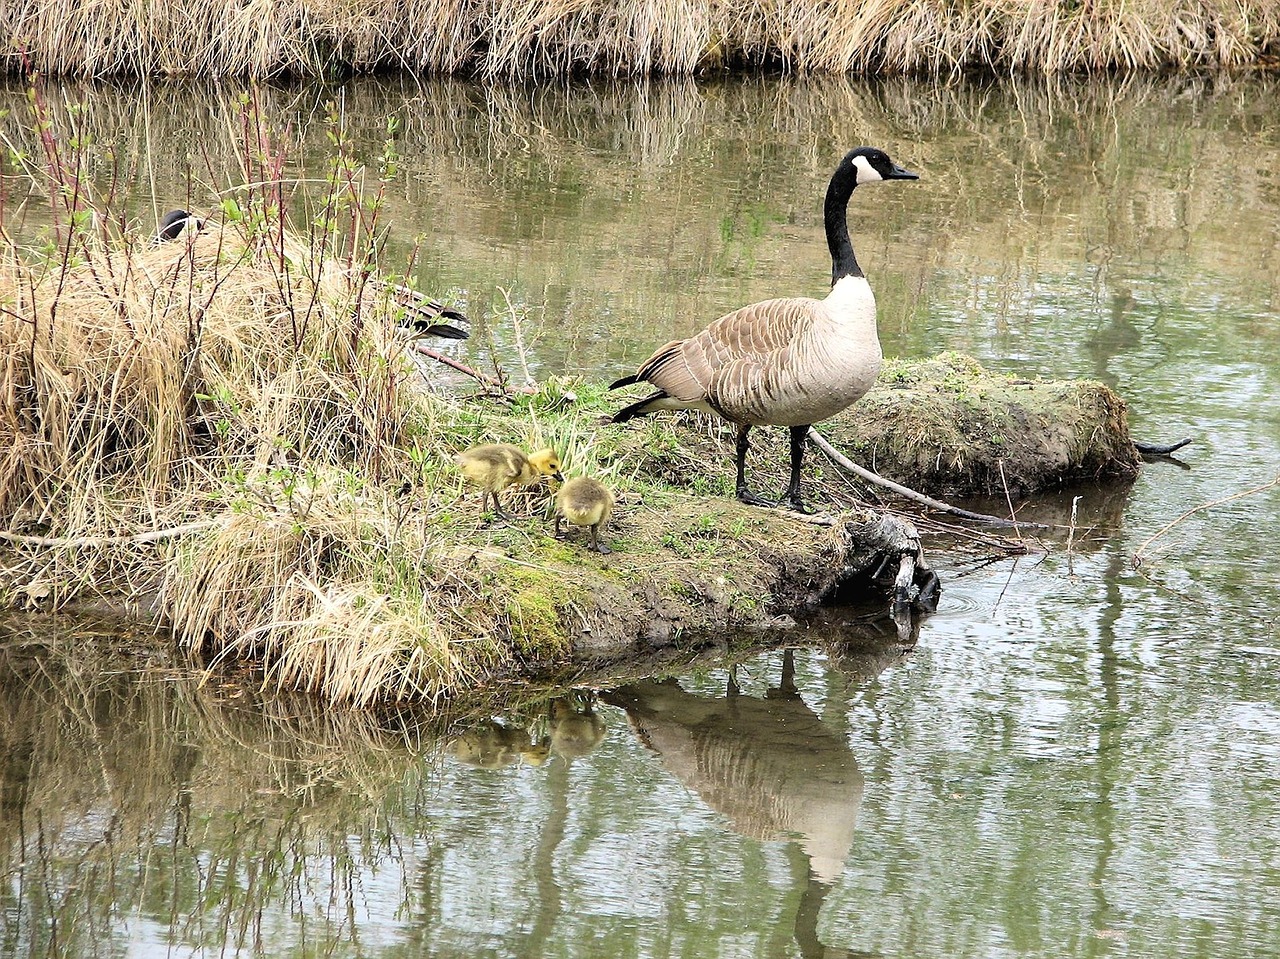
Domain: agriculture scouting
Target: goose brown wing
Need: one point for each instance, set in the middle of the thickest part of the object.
(758, 334)
(759, 329)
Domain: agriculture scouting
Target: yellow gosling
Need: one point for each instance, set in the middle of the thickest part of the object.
(585, 502)
(495, 466)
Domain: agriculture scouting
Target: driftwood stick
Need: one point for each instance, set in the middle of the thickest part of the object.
(484, 378)
(96, 542)
(454, 364)
(820, 441)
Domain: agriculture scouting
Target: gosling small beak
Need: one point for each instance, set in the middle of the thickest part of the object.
(898, 173)
(557, 477)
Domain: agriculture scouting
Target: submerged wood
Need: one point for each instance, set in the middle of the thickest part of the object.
(543, 37)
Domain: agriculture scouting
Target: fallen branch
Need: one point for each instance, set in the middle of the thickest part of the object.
(96, 542)
(1138, 557)
(484, 378)
(821, 442)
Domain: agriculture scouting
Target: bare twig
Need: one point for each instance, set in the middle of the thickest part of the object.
(521, 350)
(1013, 516)
(1071, 535)
(1138, 553)
(820, 441)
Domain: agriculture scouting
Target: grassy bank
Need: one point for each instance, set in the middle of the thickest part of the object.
(232, 427)
(519, 38)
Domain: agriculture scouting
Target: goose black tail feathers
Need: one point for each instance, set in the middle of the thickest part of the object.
(625, 381)
(636, 409)
(442, 330)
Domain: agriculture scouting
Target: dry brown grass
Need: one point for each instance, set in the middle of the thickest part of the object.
(249, 397)
(219, 420)
(548, 37)
(232, 423)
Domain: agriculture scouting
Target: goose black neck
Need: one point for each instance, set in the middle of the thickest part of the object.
(835, 218)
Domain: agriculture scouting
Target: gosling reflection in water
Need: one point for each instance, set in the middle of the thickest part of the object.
(570, 729)
(771, 766)
(493, 745)
(574, 728)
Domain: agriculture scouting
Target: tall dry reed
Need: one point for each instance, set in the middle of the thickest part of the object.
(230, 421)
(519, 38)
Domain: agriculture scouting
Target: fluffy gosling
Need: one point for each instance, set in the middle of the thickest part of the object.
(495, 466)
(585, 502)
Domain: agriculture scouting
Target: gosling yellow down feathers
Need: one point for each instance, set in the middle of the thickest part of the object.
(495, 466)
(584, 501)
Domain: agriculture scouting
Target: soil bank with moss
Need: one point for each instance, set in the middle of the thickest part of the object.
(684, 570)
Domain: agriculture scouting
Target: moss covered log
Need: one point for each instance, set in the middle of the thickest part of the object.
(948, 427)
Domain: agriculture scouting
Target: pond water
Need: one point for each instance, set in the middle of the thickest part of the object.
(1079, 757)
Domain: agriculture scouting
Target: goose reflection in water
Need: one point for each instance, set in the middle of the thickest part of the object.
(770, 766)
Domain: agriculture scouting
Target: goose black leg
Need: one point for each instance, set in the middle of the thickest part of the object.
(745, 495)
(792, 496)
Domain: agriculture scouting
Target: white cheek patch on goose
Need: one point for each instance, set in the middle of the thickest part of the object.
(866, 172)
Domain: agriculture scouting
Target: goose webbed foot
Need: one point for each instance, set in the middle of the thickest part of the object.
(596, 545)
(752, 499)
(497, 513)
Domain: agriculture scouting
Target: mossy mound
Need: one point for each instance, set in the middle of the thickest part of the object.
(946, 426)
(943, 426)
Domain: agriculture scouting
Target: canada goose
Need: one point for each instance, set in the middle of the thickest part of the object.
(422, 314)
(786, 362)
(495, 466)
(584, 501)
(172, 224)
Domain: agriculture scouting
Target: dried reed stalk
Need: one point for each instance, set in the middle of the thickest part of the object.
(519, 38)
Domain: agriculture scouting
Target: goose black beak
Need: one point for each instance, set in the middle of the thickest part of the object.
(898, 173)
